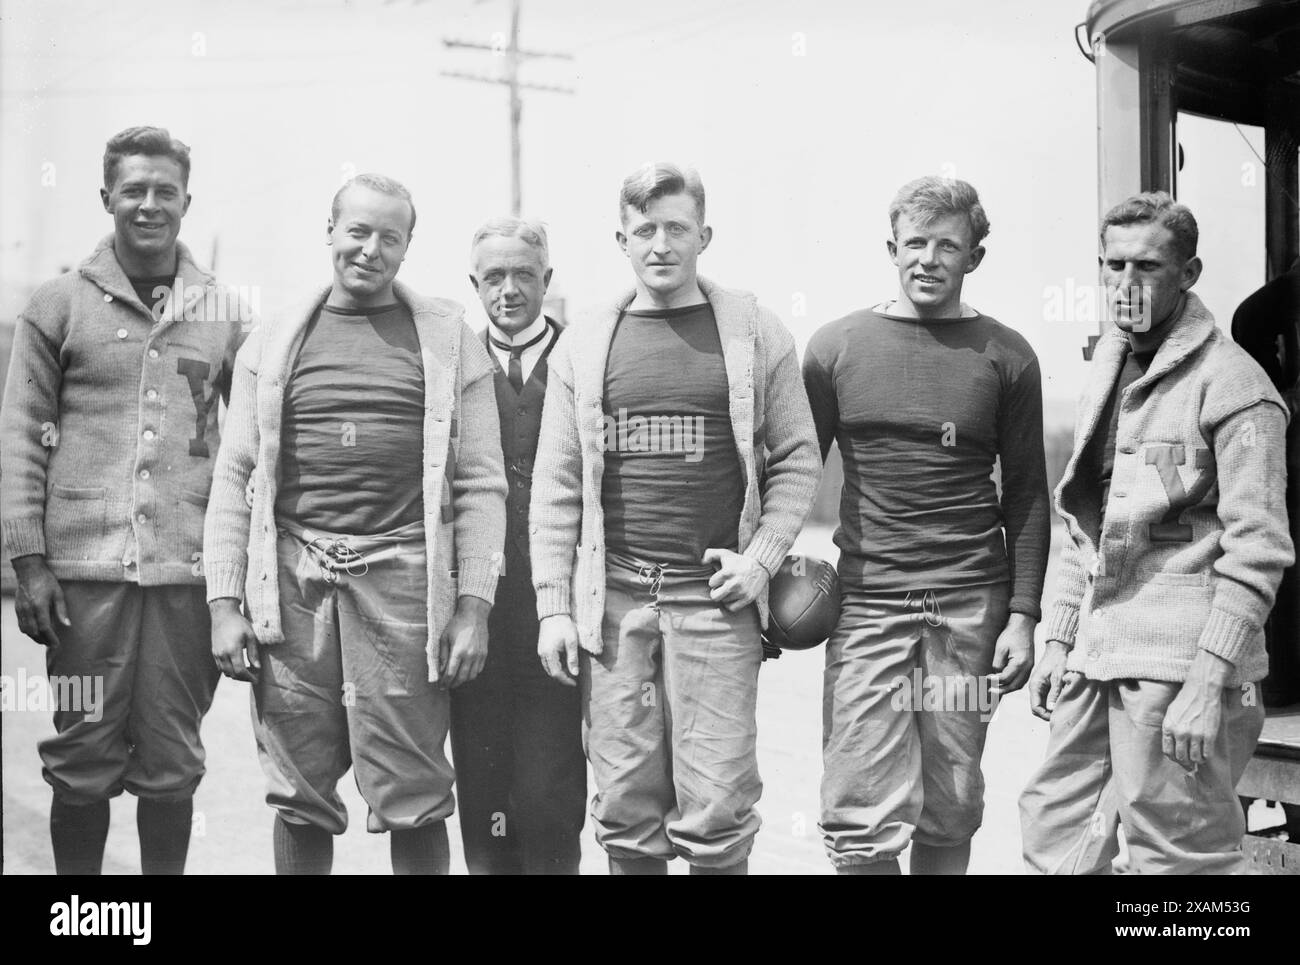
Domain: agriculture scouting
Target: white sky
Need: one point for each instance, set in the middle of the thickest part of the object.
(800, 152)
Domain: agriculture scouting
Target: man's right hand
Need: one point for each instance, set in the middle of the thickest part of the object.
(557, 646)
(1046, 681)
(232, 635)
(38, 594)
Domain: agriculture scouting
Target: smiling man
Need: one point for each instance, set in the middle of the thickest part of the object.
(941, 574)
(107, 441)
(358, 512)
(651, 559)
(1175, 503)
(516, 733)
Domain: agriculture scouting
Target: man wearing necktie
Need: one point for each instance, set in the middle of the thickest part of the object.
(516, 733)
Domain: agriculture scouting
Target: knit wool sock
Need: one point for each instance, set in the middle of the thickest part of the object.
(638, 866)
(302, 849)
(930, 860)
(78, 833)
(421, 851)
(164, 829)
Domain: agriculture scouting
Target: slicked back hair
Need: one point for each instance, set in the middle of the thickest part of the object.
(1156, 207)
(532, 233)
(657, 179)
(375, 182)
(146, 141)
(927, 199)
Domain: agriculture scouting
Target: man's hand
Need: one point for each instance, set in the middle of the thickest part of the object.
(232, 637)
(1045, 682)
(557, 647)
(739, 580)
(463, 649)
(1013, 657)
(38, 594)
(1192, 720)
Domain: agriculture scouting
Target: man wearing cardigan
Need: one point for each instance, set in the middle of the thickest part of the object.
(676, 464)
(1174, 499)
(358, 513)
(107, 443)
(516, 734)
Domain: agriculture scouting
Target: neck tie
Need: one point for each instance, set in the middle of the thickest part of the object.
(515, 373)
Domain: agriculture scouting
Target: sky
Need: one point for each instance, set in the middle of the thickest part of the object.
(803, 119)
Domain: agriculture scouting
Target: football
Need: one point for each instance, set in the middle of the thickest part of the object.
(804, 599)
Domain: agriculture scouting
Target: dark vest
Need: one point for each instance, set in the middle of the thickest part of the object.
(521, 423)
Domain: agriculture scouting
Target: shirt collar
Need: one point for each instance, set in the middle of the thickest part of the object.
(529, 333)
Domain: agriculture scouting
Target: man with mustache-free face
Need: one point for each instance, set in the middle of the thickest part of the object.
(941, 575)
(107, 444)
(364, 429)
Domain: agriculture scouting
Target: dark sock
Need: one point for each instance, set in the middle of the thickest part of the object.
(741, 867)
(302, 849)
(886, 867)
(164, 829)
(930, 860)
(78, 833)
(421, 851)
(638, 866)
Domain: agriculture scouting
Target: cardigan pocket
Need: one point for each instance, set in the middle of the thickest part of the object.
(75, 522)
(1179, 579)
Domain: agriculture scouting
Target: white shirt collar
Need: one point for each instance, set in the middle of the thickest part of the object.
(527, 335)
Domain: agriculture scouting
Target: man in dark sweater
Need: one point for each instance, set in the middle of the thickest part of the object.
(941, 574)
(516, 734)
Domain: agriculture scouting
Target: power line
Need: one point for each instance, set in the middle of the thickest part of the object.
(513, 55)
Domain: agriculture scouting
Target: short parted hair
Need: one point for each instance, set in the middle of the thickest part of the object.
(375, 182)
(927, 199)
(532, 233)
(658, 179)
(146, 141)
(1156, 207)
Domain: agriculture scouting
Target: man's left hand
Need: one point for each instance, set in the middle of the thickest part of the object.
(463, 649)
(1192, 720)
(1013, 657)
(739, 580)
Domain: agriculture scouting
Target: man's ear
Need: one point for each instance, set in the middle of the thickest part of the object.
(546, 279)
(622, 240)
(976, 256)
(473, 281)
(188, 198)
(104, 196)
(706, 235)
(892, 246)
(329, 232)
(1191, 273)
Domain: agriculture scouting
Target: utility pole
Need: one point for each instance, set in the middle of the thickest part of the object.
(514, 56)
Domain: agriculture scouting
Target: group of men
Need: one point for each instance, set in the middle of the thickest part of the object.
(555, 546)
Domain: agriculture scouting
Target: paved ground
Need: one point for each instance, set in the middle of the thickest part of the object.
(233, 825)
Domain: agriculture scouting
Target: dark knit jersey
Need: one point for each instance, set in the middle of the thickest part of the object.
(920, 411)
(353, 431)
(672, 486)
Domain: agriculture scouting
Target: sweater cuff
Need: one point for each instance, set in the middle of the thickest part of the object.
(477, 576)
(553, 599)
(769, 549)
(1029, 607)
(25, 537)
(225, 579)
(1063, 624)
(1227, 635)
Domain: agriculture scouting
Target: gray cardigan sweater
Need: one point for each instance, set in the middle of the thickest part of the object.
(770, 421)
(109, 429)
(1194, 538)
(461, 429)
